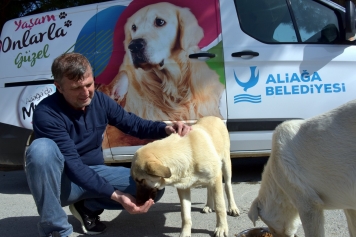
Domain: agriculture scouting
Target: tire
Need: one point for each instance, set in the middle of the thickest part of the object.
(28, 143)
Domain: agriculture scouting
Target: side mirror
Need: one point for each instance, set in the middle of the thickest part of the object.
(350, 26)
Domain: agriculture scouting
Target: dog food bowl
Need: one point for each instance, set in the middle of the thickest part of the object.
(255, 232)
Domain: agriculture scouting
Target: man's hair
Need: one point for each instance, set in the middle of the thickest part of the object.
(70, 65)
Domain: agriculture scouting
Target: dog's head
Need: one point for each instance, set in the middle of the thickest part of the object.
(155, 31)
(282, 220)
(149, 174)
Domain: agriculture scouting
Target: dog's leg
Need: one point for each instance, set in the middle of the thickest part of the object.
(120, 86)
(221, 229)
(185, 202)
(351, 221)
(232, 208)
(312, 219)
(209, 201)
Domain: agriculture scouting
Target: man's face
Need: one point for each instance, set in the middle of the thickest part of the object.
(77, 93)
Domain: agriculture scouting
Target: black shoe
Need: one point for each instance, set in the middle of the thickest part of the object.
(90, 221)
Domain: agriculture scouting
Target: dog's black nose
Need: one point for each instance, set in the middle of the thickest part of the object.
(137, 45)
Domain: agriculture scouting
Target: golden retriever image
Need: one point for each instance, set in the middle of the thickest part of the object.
(312, 167)
(157, 80)
(201, 158)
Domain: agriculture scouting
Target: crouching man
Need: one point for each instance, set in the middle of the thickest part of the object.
(65, 165)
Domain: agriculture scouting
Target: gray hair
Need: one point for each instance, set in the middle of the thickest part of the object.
(70, 65)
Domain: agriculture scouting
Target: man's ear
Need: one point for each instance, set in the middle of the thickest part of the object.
(157, 169)
(253, 213)
(59, 88)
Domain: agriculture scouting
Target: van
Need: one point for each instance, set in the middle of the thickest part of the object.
(253, 63)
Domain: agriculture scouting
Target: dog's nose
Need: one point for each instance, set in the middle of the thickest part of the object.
(137, 45)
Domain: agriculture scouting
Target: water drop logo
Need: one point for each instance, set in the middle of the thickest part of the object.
(247, 85)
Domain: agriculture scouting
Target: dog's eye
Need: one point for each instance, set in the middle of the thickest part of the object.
(160, 22)
(133, 27)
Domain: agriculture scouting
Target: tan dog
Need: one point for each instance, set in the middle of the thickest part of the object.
(312, 167)
(200, 158)
(157, 80)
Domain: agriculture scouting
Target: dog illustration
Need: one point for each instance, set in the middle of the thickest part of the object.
(157, 80)
(311, 168)
(202, 157)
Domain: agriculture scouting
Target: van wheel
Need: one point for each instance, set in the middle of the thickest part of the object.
(28, 143)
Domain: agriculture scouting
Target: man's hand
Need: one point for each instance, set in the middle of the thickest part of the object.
(129, 202)
(178, 127)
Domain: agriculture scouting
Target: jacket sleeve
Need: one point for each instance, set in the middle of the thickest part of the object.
(130, 123)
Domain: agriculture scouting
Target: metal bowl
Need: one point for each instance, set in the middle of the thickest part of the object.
(254, 232)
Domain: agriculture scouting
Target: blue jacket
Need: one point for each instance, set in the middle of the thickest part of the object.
(79, 134)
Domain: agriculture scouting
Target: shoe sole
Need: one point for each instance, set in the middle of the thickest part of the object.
(79, 218)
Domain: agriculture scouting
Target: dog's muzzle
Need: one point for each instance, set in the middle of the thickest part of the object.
(137, 50)
(144, 193)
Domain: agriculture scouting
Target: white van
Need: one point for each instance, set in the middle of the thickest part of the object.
(253, 63)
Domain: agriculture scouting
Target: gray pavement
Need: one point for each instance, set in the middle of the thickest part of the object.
(18, 215)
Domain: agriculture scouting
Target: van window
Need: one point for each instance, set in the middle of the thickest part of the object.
(270, 21)
(316, 23)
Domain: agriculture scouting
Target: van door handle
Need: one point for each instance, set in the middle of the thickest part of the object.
(202, 55)
(245, 53)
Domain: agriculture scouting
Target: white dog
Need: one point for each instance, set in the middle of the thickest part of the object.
(312, 167)
(201, 158)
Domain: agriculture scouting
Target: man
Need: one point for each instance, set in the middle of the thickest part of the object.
(65, 165)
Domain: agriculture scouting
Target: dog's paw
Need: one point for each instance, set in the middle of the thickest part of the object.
(206, 209)
(185, 234)
(220, 232)
(233, 212)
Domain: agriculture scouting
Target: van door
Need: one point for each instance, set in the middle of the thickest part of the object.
(283, 60)
(95, 40)
(166, 65)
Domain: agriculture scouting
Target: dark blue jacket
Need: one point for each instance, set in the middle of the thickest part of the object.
(79, 134)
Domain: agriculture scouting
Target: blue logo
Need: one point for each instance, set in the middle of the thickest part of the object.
(246, 85)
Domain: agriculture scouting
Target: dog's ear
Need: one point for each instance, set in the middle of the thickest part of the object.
(157, 169)
(190, 33)
(253, 213)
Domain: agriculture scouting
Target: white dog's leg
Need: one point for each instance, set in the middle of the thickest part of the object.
(221, 229)
(209, 207)
(351, 221)
(185, 202)
(312, 220)
(232, 208)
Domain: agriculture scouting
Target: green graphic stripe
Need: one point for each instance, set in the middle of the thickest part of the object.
(104, 42)
(84, 45)
(217, 63)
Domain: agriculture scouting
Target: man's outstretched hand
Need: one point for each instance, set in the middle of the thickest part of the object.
(129, 202)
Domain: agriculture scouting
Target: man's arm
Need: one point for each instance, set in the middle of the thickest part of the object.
(136, 126)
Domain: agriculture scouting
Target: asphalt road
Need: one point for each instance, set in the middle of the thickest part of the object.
(18, 215)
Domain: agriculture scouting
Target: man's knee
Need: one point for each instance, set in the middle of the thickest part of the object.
(43, 151)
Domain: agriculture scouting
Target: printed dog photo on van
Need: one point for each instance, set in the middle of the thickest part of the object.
(157, 79)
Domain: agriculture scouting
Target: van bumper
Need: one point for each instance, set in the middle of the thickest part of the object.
(250, 144)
